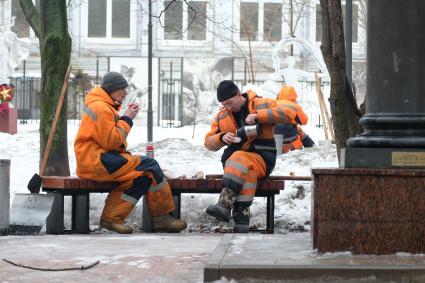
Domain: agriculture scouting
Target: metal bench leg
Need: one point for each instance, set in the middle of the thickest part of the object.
(80, 213)
(177, 203)
(54, 222)
(146, 218)
(270, 214)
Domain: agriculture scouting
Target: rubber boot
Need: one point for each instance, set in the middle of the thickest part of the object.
(241, 218)
(168, 224)
(116, 227)
(115, 212)
(221, 210)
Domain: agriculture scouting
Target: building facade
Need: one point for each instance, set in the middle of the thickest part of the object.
(195, 45)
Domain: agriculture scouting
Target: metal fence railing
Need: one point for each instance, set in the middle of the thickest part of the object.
(26, 98)
(28, 90)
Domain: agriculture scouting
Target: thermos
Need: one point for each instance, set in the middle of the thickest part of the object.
(279, 143)
(248, 131)
(149, 151)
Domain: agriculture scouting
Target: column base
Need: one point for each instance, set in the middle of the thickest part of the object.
(360, 157)
(368, 211)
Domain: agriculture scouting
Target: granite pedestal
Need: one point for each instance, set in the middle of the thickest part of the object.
(369, 211)
(9, 121)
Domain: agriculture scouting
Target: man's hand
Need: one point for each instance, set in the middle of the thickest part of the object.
(132, 110)
(229, 138)
(251, 119)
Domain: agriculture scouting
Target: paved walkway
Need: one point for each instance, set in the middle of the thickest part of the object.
(123, 258)
(187, 257)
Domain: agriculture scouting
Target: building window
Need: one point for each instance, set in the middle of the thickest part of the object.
(197, 12)
(21, 26)
(249, 21)
(355, 24)
(109, 18)
(121, 18)
(272, 22)
(260, 21)
(173, 20)
(185, 20)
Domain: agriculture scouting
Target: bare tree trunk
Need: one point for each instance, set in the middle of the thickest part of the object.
(345, 114)
(51, 28)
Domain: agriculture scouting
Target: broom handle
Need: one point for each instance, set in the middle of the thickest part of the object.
(55, 121)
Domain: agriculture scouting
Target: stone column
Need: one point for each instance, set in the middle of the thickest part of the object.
(394, 123)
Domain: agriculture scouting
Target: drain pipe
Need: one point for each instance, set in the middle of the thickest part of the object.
(4, 195)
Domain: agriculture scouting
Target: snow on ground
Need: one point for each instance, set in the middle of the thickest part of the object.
(180, 151)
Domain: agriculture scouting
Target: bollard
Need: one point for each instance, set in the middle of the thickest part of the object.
(4, 196)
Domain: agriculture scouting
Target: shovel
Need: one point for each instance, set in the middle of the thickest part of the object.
(35, 182)
(29, 212)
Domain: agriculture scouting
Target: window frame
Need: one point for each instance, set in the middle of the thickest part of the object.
(260, 42)
(117, 42)
(168, 44)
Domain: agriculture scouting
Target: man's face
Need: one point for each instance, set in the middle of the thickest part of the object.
(119, 95)
(233, 104)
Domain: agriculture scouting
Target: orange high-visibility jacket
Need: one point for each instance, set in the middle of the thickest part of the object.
(269, 114)
(101, 139)
(288, 95)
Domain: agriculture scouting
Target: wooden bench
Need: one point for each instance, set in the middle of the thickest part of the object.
(80, 190)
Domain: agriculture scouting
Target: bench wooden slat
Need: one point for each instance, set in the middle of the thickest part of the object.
(52, 183)
(73, 182)
(84, 183)
(284, 178)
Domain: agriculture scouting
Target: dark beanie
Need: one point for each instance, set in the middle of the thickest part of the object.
(113, 81)
(226, 89)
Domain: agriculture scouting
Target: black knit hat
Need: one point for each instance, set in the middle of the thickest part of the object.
(113, 81)
(226, 89)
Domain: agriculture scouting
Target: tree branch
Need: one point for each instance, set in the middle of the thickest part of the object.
(33, 17)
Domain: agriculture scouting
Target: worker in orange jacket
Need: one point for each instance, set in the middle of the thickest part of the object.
(293, 135)
(101, 154)
(250, 152)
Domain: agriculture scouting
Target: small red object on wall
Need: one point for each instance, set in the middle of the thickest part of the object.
(8, 114)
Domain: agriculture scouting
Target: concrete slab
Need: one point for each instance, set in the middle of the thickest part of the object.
(291, 258)
(123, 258)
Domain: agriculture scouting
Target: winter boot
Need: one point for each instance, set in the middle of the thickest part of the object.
(241, 218)
(116, 227)
(221, 210)
(167, 223)
(115, 212)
